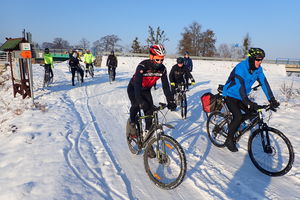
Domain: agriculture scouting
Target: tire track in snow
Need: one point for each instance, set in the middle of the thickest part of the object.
(108, 149)
(91, 178)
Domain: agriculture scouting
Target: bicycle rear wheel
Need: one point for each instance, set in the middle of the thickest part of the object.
(91, 71)
(217, 128)
(271, 151)
(134, 144)
(168, 169)
(183, 106)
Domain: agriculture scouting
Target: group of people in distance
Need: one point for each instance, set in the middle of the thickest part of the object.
(74, 63)
(235, 91)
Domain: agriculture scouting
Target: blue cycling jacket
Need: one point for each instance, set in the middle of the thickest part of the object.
(241, 80)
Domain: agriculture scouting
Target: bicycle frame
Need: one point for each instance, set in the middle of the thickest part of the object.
(156, 127)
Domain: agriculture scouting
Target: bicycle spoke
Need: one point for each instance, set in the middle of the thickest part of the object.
(168, 168)
(274, 159)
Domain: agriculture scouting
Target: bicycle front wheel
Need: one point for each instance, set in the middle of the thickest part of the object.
(183, 107)
(168, 168)
(217, 128)
(271, 151)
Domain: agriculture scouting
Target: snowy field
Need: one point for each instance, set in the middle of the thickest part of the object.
(72, 145)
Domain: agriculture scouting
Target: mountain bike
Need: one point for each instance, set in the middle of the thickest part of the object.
(180, 99)
(168, 168)
(47, 79)
(110, 75)
(78, 76)
(269, 149)
(91, 70)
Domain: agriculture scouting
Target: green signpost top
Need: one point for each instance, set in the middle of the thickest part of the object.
(12, 44)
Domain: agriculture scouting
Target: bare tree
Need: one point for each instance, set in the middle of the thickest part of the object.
(156, 37)
(191, 40)
(59, 43)
(108, 43)
(47, 45)
(207, 44)
(84, 43)
(224, 51)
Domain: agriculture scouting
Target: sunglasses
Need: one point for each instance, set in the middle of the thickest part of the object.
(258, 59)
(157, 60)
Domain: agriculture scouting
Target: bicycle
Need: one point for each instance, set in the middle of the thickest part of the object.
(168, 168)
(91, 70)
(180, 99)
(269, 149)
(47, 79)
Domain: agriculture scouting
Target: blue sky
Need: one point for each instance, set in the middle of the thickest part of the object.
(272, 24)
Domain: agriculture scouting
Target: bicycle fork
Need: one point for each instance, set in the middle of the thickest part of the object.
(265, 139)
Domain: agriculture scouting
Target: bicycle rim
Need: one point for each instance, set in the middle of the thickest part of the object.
(133, 143)
(277, 158)
(168, 169)
(183, 107)
(217, 128)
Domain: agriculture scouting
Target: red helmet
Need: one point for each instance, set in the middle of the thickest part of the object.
(157, 50)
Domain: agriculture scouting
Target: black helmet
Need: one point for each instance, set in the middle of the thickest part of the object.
(256, 53)
(186, 53)
(46, 50)
(180, 60)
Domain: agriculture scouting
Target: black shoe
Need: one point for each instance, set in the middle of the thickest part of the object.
(132, 130)
(230, 144)
(73, 84)
(151, 153)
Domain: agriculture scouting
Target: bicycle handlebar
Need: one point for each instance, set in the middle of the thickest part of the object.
(160, 107)
(267, 107)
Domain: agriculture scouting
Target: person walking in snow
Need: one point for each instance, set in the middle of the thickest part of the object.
(238, 87)
(48, 62)
(75, 66)
(188, 61)
(112, 63)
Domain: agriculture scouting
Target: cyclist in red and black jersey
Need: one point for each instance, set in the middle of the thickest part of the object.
(139, 87)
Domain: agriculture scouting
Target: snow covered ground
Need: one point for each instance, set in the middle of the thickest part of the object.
(72, 146)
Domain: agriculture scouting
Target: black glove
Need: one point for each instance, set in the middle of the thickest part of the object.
(274, 103)
(172, 105)
(253, 106)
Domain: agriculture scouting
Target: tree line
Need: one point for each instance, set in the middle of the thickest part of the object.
(196, 41)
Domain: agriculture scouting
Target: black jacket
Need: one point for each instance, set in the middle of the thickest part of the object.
(112, 61)
(145, 77)
(74, 62)
(180, 74)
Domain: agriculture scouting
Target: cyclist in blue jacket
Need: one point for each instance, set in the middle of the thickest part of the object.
(238, 87)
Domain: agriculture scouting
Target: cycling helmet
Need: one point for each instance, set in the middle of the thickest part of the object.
(47, 50)
(256, 53)
(186, 53)
(157, 50)
(180, 60)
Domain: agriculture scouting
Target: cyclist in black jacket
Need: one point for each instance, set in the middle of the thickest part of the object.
(180, 74)
(139, 87)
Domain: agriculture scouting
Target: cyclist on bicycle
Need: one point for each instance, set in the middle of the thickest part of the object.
(48, 60)
(112, 63)
(75, 66)
(238, 87)
(88, 59)
(144, 78)
(180, 74)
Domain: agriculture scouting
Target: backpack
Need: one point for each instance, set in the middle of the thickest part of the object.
(211, 102)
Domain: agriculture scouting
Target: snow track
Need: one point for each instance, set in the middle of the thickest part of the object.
(98, 156)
